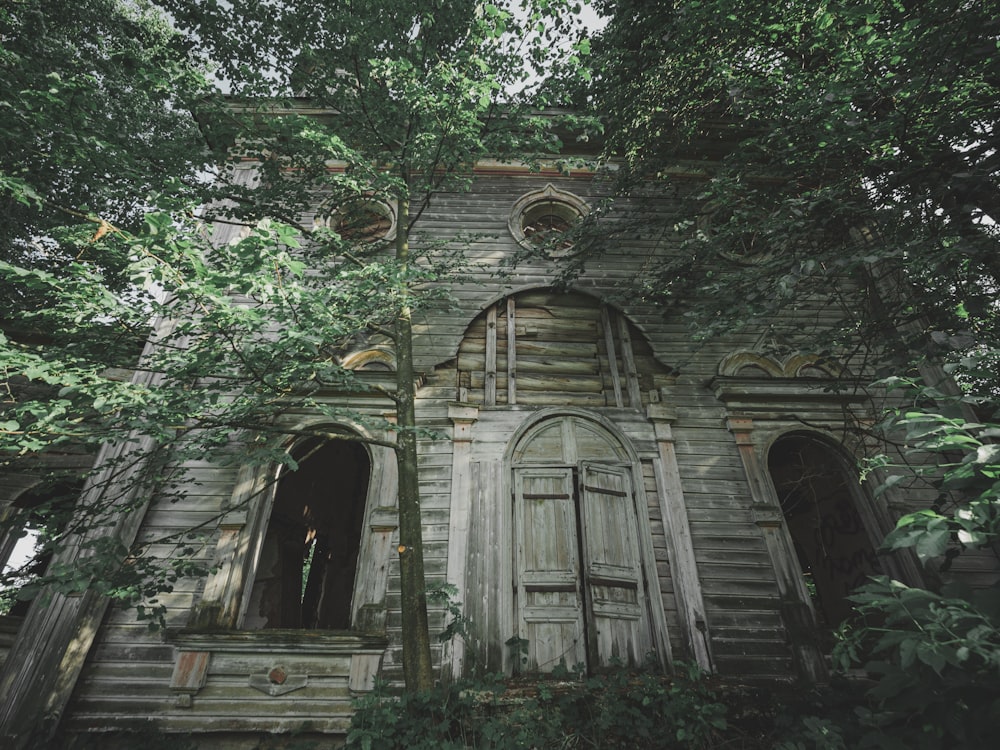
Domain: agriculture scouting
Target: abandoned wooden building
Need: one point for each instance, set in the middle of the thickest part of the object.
(609, 492)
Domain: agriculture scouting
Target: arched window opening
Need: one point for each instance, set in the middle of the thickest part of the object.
(818, 498)
(309, 559)
(34, 519)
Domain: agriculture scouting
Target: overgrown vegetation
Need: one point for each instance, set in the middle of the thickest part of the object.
(420, 91)
(874, 124)
(857, 147)
(617, 710)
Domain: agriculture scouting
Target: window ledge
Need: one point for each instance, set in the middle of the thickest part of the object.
(278, 641)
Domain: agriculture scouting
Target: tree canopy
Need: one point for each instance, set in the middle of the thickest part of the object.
(831, 116)
(350, 104)
(835, 140)
(848, 145)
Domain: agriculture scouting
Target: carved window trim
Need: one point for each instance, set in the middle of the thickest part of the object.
(244, 526)
(383, 230)
(747, 249)
(561, 206)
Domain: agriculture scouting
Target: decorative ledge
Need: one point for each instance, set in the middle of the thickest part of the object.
(278, 641)
(731, 389)
(265, 653)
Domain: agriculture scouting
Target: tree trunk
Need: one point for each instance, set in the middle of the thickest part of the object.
(417, 670)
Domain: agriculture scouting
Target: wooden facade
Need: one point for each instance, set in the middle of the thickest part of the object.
(603, 497)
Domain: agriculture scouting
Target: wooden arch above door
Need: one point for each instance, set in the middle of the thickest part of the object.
(543, 347)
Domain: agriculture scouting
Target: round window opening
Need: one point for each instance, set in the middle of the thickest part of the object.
(735, 243)
(544, 220)
(363, 220)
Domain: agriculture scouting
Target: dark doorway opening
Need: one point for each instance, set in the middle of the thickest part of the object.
(305, 577)
(818, 496)
(29, 529)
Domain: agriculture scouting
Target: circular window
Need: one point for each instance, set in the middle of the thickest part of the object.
(740, 245)
(363, 220)
(544, 220)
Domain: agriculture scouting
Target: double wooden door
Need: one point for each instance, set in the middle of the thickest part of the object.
(579, 585)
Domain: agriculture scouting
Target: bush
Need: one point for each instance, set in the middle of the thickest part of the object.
(616, 710)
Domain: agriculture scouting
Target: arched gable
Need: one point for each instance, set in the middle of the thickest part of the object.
(545, 347)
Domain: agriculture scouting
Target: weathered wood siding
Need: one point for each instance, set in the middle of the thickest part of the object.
(507, 348)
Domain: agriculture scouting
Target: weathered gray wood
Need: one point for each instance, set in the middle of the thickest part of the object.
(491, 357)
(705, 561)
(631, 373)
(512, 352)
(549, 595)
(615, 588)
(609, 344)
(460, 519)
(43, 665)
(680, 543)
(797, 610)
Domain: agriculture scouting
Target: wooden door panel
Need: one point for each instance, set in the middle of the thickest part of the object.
(613, 580)
(550, 601)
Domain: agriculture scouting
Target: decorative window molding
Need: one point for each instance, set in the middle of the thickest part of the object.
(816, 402)
(742, 363)
(243, 531)
(363, 220)
(380, 358)
(538, 218)
(745, 248)
(214, 644)
(749, 380)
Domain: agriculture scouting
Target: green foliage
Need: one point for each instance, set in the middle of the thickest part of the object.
(619, 709)
(851, 169)
(446, 594)
(934, 655)
(964, 469)
(95, 101)
(854, 140)
(119, 154)
(936, 661)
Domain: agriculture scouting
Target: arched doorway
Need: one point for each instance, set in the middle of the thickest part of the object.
(818, 495)
(580, 587)
(309, 558)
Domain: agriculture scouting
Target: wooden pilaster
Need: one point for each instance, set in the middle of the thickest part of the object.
(680, 548)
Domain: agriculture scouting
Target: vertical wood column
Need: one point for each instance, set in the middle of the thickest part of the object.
(628, 357)
(609, 344)
(372, 579)
(490, 386)
(463, 417)
(511, 353)
(227, 584)
(796, 610)
(680, 547)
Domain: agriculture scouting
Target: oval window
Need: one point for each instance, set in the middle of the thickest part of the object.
(545, 219)
(363, 220)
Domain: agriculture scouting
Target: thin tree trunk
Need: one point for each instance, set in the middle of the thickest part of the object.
(417, 670)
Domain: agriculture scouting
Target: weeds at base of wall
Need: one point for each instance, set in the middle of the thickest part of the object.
(615, 710)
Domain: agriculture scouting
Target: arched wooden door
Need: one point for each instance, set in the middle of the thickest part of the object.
(580, 590)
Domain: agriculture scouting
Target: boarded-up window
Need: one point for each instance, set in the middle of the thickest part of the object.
(544, 347)
(818, 498)
(309, 558)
